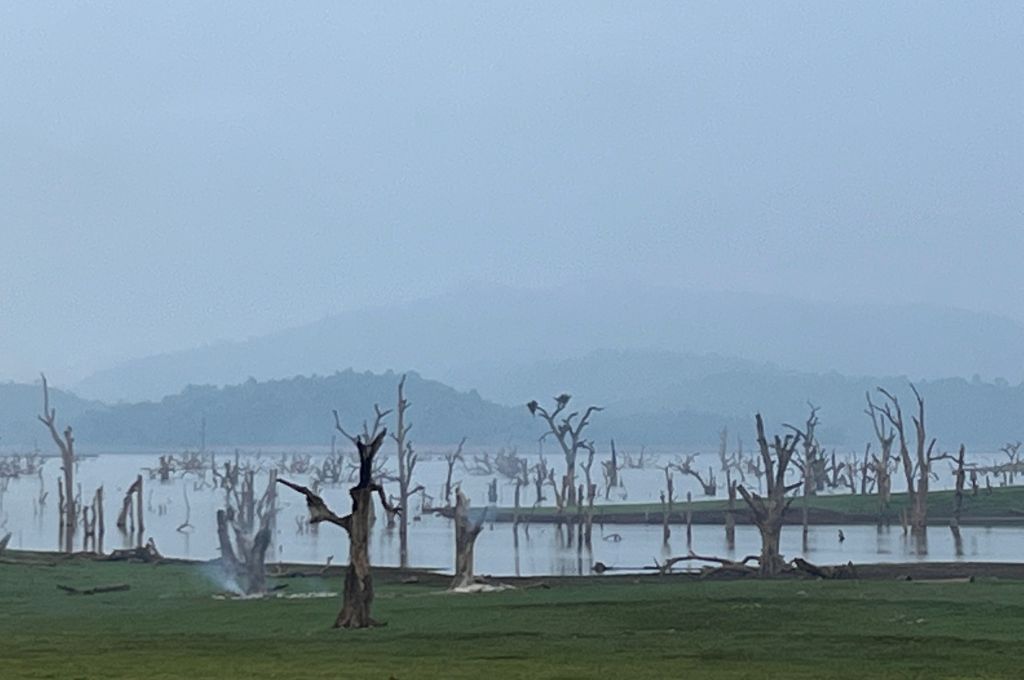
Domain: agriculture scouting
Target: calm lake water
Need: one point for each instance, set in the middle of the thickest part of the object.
(431, 540)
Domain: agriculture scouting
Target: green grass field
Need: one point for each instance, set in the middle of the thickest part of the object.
(169, 626)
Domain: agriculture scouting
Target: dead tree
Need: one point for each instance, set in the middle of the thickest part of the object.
(358, 594)
(66, 444)
(466, 531)
(709, 486)
(916, 469)
(728, 464)
(809, 465)
(1012, 451)
(611, 469)
(129, 520)
(244, 558)
(450, 459)
(769, 511)
(958, 502)
(568, 432)
(666, 505)
(93, 528)
(406, 464)
(588, 493)
(880, 464)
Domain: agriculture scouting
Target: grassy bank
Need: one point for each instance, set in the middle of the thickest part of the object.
(1002, 505)
(169, 626)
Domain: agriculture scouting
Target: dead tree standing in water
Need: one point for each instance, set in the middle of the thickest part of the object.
(1012, 451)
(958, 502)
(768, 511)
(809, 466)
(568, 432)
(406, 464)
(66, 444)
(466, 531)
(129, 520)
(358, 594)
(917, 470)
(880, 464)
(450, 459)
(611, 469)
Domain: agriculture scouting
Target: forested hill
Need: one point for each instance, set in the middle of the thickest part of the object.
(686, 409)
(298, 411)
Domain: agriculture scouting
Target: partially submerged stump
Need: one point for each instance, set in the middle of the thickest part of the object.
(466, 531)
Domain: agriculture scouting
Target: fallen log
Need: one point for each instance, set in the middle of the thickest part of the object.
(840, 571)
(116, 588)
(147, 553)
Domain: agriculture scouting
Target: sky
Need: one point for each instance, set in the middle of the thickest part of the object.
(173, 174)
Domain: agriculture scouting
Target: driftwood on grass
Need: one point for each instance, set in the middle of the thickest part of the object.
(116, 588)
(147, 553)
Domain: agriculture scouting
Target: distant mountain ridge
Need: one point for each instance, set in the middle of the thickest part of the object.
(649, 398)
(460, 336)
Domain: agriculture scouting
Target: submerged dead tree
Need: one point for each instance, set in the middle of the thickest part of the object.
(129, 520)
(66, 445)
(406, 464)
(810, 465)
(768, 511)
(568, 432)
(960, 475)
(917, 468)
(450, 459)
(466, 531)
(358, 593)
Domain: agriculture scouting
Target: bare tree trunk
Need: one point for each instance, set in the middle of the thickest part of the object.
(358, 596)
(66, 446)
(466, 532)
(730, 518)
(768, 512)
(358, 591)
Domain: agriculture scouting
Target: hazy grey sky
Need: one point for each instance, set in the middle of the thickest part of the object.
(176, 173)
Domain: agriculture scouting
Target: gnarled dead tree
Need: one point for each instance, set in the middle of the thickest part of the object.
(709, 485)
(358, 594)
(66, 444)
(917, 468)
(1012, 451)
(568, 432)
(466, 531)
(251, 527)
(768, 511)
(879, 468)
